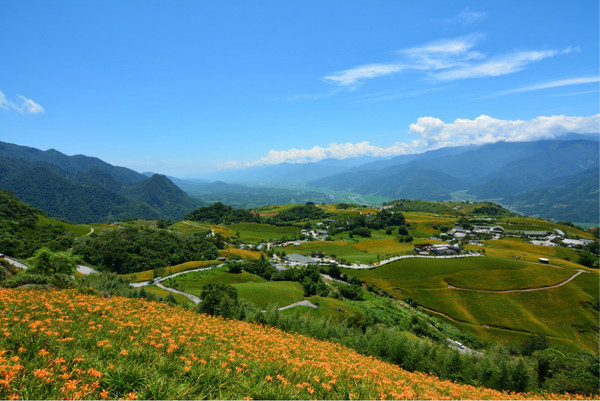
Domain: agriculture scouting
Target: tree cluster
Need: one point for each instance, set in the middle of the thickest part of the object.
(131, 250)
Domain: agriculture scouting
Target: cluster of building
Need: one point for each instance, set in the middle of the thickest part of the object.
(438, 249)
(460, 233)
(555, 238)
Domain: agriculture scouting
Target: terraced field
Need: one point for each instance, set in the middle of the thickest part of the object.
(509, 316)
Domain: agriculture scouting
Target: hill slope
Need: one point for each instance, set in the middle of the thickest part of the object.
(161, 194)
(79, 346)
(572, 198)
(86, 189)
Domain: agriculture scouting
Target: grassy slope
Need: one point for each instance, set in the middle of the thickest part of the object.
(277, 293)
(521, 313)
(63, 344)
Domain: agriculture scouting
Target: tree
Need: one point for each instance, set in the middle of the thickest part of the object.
(219, 299)
(234, 267)
(48, 263)
(587, 259)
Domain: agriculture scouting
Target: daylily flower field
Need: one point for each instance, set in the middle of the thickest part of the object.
(71, 345)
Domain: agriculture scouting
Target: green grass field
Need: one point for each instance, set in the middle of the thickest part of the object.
(250, 287)
(254, 232)
(564, 314)
(263, 294)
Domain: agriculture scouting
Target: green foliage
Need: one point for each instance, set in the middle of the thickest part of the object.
(27, 278)
(219, 299)
(300, 213)
(48, 263)
(493, 210)
(131, 250)
(588, 259)
(533, 344)
(21, 233)
(234, 267)
(261, 267)
(362, 231)
(385, 219)
(218, 213)
(352, 291)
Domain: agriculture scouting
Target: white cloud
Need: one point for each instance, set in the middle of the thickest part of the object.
(501, 65)
(485, 129)
(3, 102)
(356, 75)
(552, 84)
(445, 60)
(433, 133)
(26, 105)
(23, 105)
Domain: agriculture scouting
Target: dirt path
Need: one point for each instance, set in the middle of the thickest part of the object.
(548, 287)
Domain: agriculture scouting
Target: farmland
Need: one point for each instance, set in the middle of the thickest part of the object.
(521, 313)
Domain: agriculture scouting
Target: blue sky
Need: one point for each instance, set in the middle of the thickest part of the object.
(183, 88)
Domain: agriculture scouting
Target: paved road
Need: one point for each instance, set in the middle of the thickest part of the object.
(85, 270)
(524, 289)
(172, 275)
(191, 297)
(16, 263)
(299, 303)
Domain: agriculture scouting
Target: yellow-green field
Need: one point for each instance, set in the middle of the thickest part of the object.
(243, 253)
(564, 314)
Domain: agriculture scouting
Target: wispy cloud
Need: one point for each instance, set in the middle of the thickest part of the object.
(22, 105)
(551, 84)
(444, 60)
(576, 93)
(433, 133)
(385, 96)
(468, 17)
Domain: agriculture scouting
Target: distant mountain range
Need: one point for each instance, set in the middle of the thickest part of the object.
(551, 178)
(525, 176)
(85, 189)
(500, 171)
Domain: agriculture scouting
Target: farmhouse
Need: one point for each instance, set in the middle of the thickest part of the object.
(497, 230)
(458, 233)
(300, 259)
(443, 249)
